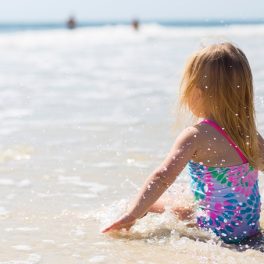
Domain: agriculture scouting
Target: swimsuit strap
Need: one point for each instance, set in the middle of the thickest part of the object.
(222, 132)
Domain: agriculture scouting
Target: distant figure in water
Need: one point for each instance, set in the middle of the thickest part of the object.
(135, 24)
(71, 23)
(223, 150)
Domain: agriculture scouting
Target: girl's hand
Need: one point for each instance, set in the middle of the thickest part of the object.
(183, 213)
(125, 221)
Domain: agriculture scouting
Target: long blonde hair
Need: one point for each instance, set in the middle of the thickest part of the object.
(222, 75)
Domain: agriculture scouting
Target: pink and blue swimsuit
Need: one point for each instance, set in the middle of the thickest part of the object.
(228, 198)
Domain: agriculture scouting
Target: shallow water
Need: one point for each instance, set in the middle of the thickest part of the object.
(85, 116)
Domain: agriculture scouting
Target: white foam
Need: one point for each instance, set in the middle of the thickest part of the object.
(32, 259)
(22, 247)
(97, 259)
(85, 195)
(48, 241)
(49, 194)
(16, 153)
(11, 196)
(78, 232)
(9, 229)
(27, 229)
(24, 183)
(104, 164)
(22, 229)
(7, 130)
(120, 34)
(15, 112)
(7, 182)
(10, 182)
(93, 187)
(3, 211)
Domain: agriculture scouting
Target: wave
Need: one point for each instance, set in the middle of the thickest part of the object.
(121, 34)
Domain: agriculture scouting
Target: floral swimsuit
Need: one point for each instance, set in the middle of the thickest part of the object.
(228, 198)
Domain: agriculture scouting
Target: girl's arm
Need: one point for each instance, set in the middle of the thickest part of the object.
(156, 184)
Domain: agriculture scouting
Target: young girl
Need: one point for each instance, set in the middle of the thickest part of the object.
(223, 150)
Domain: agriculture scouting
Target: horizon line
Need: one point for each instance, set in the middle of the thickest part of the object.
(161, 20)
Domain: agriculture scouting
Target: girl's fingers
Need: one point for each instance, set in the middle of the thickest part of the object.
(114, 226)
(117, 226)
(108, 228)
(124, 222)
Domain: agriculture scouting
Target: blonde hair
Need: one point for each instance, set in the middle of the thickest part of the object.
(222, 75)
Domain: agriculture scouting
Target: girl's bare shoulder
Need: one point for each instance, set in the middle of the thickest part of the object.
(187, 139)
(204, 131)
(189, 133)
(196, 136)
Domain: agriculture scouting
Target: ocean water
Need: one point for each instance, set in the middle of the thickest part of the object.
(86, 115)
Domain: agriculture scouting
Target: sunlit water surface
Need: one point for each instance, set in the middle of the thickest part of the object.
(86, 116)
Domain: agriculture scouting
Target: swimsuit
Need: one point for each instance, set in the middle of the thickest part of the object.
(228, 198)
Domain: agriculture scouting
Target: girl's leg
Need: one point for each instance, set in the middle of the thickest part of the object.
(183, 213)
(157, 207)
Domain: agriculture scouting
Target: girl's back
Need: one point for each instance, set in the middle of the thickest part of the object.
(225, 186)
(214, 148)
